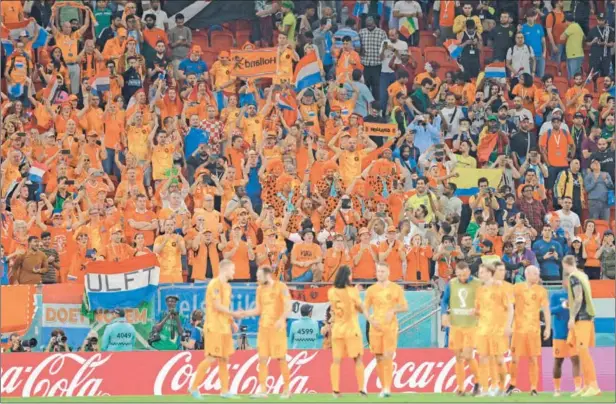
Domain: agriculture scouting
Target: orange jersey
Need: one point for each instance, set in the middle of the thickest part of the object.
(492, 303)
(272, 301)
(216, 321)
(383, 299)
(304, 252)
(366, 268)
(344, 303)
(528, 301)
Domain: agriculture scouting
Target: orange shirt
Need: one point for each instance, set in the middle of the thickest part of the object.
(147, 216)
(447, 13)
(200, 257)
(528, 301)
(491, 303)
(344, 304)
(382, 299)
(216, 321)
(350, 165)
(114, 127)
(347, 62)
(152, 36)
(240, 259)
(571, 94)
(162, 160)
(395, 88)
(78, 265)
(12, 11)
(115, 252)
(418, 264)
(557, 146)
(68, 46)
(334, 259)
(425, 75)
(557, 22)
(169, 259)
(304, 252)
(497, 243)
(591, 249)
(272, 301)
(393, 259)
(527, 94)
(137, 138)
(446, 266)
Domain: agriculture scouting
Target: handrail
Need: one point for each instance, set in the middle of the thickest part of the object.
(421, 320)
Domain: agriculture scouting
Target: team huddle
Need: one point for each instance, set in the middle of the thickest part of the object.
(486, 316)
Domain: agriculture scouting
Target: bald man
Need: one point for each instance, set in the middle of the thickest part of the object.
(529, 299)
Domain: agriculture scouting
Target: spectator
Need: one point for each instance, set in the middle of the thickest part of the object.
(555, 24)
(408, 12)
(109, 33)
(180, 38)
(601, 39)
(459, 23)
(324, 41)
(289, 22)
(605, 156)
(29, 267)
(160, 16)
(304, 331)
(556, 148)
(549, 253)
(196, 339)
(41, 12)
(570, 183)
(119, 335)
(193, 65)
(598, 184)
(534, 36)
(520, 57)
(102, 14)
(574, 37)
(591, 241)
(472, 46)
(581, 11)
(607, 255)
(501, 38)
(444, 20)
(53, 259)
(348, 30)
(390, 48)
(532, 208)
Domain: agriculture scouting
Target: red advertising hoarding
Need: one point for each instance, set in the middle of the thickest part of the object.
(162, 373)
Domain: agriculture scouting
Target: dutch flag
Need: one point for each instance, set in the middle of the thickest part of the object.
(495, 70)
(100, 82)
(285, 102)
(37, 170)
(307, 72)
(453, 47)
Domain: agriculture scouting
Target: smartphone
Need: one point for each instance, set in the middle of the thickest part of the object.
(98, 143)
(309, 123)
(70, 182)
(21, 134)
(65, 152)
(90, 253)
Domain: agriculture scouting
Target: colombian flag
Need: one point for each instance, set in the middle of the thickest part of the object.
(467, 181)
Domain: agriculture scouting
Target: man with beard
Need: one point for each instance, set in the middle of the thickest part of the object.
(390, 48)
(522, 141)
(29, 267)
(372, 41)
(492, 142)
(505, 123)
(422, 197)
(608, 84)
(350, 158)
(601, 40)
(151, 37)
(501, 38)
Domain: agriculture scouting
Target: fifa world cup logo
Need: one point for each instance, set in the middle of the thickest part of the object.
(462, 295)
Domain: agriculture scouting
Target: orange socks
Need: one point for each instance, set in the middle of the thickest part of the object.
(460, 374)
(588, 367)
(513, 372)
(494, 373)
(388, 373)
(359, 375)
(286, 376)
(223, 373)
(380, 365)
(502, 373)
(200, 374)
(533, 373)
(263, 376)
(484, 373)
(334, 374)
(557, 384)
(577, 381)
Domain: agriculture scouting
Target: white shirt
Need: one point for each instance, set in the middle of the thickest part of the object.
(519, 115)
(408, 6)
(161, 17)
(568, 222)
(453, 122)
(400, 46)
(519, 57)
(547, 125)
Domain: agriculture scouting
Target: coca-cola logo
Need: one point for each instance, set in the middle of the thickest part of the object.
(178, 373)
(43, 381)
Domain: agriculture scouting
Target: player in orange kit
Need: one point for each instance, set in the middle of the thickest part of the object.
(529, 298)
(386, 299)
(492, 305)
(218, 329)
(273, 305)
(346, 334)
(500, 270)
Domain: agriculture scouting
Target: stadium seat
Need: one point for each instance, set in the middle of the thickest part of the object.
(243, 25)
(436, 54)
(201, 41)
(600, 81)
(562, 68)
(552, 68)
(209, 56)
(562, 84)
(426, 39)
(488, 54)
(241, 37)
(592, 21)
(221, 40)
(417, 54)
(447, 66)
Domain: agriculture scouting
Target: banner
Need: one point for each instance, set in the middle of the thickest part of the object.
(62, 309)
(315, 297)
(132, 282)
(254, 63)
(165, 373)
(467, 180)
(17, 308)
(140, 317)
(380, 129)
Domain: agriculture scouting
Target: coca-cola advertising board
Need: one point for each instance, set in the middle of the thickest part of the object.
(162, 373)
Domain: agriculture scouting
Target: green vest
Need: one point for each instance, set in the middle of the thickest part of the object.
(490, 259)
(583, 278)
(462, 302)
(392, 116)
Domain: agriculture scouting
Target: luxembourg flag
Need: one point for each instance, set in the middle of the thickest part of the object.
(125, 283)
(495, 70)
(37, 170)
(307, 72)
(100, 82)
(453, 46)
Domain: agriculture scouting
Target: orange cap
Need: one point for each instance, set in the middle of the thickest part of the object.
(224, 54)
(392, 229)
(363, 230)
(122, 32)
(196, 49)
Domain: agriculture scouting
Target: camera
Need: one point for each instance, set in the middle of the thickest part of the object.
(346, 204)
(153, 337)
(243, 328)
(90, 344)
(29, 343)
(185, 335)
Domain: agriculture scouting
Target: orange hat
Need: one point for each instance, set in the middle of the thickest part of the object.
(117, 228)
(363, 230)
(201, 170)
(122, 32)
(330, 165)
(131, 39)
(274, 164)
(224, 54)
(282, 180)
(391, 229)
(196, 49)
(73, 97)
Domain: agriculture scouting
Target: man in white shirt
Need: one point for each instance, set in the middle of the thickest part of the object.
(451, 116)
(390, 48)
(519, 113)
(569, 221)
(408, 8)
(378, 234)
(547, 124)
(161, 15)
(521, 57)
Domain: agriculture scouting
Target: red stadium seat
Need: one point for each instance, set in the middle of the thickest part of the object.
(426, 39)
(209, 56)
(600, 81)
(201, 41)
(447, 66)
(488, 54)
(592, 21)
(221, 40)
(552, 68)
(417, 54)
(562, 67)
(241, 37)
(562, 84)
(436, 54)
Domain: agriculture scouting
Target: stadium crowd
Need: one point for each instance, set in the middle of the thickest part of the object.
(181, 158)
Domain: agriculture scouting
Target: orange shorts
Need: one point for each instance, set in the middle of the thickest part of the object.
(491, 345)
(219, 345)
(526, 344)
(350, 347)
(272, 343)
(582, 335)
(461, 338)
(383, 342)
(562, 349)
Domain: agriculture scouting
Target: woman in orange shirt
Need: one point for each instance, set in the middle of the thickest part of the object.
(335, 257)
(418, 260)
(392, 252)
(591, 242)
(306, 259)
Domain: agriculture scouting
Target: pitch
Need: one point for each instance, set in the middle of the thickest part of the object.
(605, 397)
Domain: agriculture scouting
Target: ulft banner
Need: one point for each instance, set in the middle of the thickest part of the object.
(380, 129)
(253, 63)
(164, 373)
(314, 297)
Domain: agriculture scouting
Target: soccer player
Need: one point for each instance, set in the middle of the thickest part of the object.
(500, 271)
(273, 305)
(581, 325)
(218, 329)
(457, 311)
(386, 299)
(494, 310)
(346, 334)
(559, 307)
(529, 299)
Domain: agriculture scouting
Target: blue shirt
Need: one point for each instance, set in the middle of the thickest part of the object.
(533, 36)
(304, 333)
(342, 32)
(119, 336)
(4, 271)
(427, 135)
(188, 66)
(365, 98)
(253, 186)
(550, 266)
(194, 138)
(560, 315)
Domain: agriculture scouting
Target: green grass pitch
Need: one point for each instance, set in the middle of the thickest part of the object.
(605, 397)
